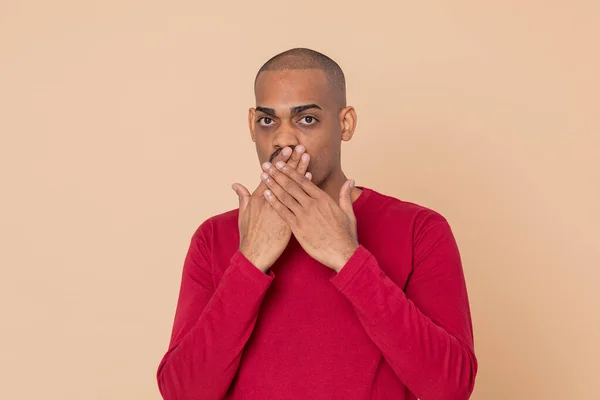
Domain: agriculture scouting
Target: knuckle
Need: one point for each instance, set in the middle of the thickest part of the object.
(304, 181)
(286, 198)
(288, 185)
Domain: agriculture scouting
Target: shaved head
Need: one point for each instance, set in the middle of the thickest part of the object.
(302, 58)
(301, 100)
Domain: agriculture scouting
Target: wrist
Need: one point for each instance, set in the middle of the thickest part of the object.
(344, 256)
(255, 259)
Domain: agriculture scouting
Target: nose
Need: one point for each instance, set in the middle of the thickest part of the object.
(285, 137)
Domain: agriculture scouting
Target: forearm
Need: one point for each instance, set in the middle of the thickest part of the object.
(430, 361)
(204, 361)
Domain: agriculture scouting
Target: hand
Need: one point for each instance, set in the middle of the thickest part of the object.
(263, 233)
(325, 229)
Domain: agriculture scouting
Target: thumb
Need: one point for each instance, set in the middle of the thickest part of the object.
(346, 197)
(243, 195)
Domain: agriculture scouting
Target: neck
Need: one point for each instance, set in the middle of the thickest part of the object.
(333, 184)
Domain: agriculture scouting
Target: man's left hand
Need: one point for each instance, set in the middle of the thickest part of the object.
(325, 229)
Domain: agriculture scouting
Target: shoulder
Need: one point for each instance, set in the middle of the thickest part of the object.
(393, 207)
(419, 218)
(225, 223)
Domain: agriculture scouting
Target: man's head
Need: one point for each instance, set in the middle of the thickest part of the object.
(301, 100)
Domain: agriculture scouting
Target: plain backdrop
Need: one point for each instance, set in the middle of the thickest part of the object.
(123, 125)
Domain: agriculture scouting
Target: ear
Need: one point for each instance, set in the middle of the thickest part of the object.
(251, 113)
(348, 121)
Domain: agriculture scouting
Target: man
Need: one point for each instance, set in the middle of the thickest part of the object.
(316, 288)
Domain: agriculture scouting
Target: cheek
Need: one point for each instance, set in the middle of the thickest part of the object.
(261, 151)
(321, 161)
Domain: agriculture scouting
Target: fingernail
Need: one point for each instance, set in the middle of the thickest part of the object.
(266, 166)
(305, 157)
(234, 188)
(286, 151)
(265, 176)
(280, 164)
(300, 148)
(352, 184)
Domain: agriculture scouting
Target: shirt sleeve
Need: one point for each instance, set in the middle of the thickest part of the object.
(212, 323)
(425, 332)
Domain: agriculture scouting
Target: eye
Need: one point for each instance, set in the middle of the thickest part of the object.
(265, 121)
(309, 120)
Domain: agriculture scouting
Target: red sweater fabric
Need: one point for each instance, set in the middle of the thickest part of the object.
(394, 323)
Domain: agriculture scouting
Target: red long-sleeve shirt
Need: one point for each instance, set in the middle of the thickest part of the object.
(394, 323)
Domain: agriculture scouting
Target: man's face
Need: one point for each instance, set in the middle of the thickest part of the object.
(297, 107)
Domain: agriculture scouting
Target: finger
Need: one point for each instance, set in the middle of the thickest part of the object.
(243, 195)
(291, 157)
(296, 156)
(303, 166)
(285, 182)
(283, 196)
(281, 209)
(284, 156)
(345, 198)
(309, 188)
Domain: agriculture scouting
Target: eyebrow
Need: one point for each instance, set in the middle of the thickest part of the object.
(293, 111)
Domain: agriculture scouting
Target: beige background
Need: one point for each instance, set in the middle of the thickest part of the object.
(123, 124)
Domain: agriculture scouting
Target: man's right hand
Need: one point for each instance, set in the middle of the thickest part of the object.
(264, 235)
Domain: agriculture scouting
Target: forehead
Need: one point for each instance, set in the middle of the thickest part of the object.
(288, 88)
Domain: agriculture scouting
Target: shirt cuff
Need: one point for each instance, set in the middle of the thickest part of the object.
(351, 268)
(250, 270)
